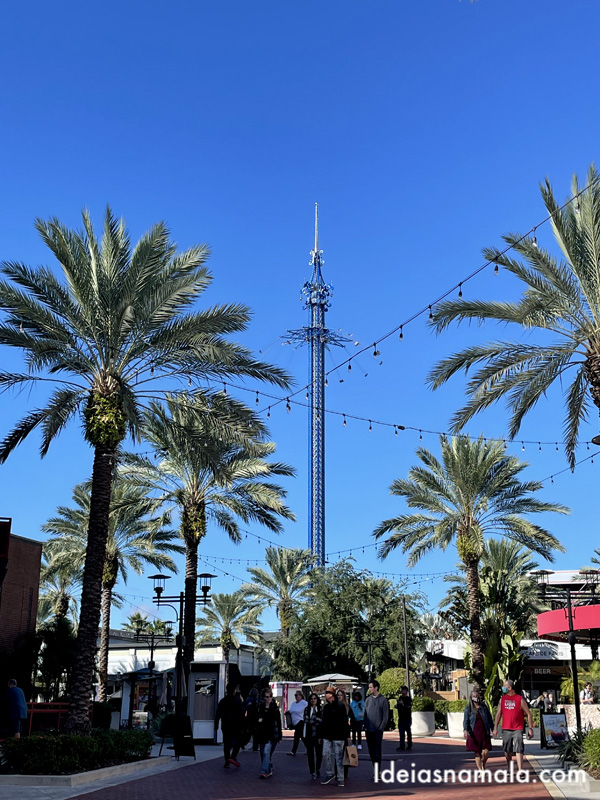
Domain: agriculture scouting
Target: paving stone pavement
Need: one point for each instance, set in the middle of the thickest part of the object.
(291, 780)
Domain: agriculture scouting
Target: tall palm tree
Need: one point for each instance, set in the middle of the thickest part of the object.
(226, 619)
(135, 539)
(285, 586)
(113, 326)
(561, 302)
(473, 492)
(213, 472)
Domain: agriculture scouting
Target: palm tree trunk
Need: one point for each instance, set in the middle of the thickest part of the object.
(91, 591)
(475, 622)
(226, 657)
(104, 636)
(63, 606)
(189, 617)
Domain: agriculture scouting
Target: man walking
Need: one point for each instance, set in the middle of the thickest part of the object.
(404, 706)
(16, 708)
(230, 712)
(377, 712)
(512, 710)
(297, 714)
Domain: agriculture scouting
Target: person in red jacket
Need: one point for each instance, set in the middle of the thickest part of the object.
(512, 710)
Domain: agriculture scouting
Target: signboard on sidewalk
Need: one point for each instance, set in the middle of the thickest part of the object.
(553, 729)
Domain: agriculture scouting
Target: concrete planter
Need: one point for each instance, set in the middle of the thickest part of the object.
(423, 723)
(81, 778)
(455, 724)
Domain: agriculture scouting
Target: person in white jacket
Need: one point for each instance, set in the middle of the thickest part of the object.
(297, 713)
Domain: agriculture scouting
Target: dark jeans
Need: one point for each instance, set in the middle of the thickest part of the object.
(404, 729)
(357, 727)
(315, 753)
(298, 731)
(231, 745)
(374, 740)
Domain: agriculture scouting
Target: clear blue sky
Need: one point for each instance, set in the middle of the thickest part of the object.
(422, 129)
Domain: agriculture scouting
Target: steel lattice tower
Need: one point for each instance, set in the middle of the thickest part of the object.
(317, 294)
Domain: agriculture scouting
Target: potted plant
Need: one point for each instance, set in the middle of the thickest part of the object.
(423, 716)
(455, 716)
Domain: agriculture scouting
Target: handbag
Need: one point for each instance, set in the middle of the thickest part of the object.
(350, 756)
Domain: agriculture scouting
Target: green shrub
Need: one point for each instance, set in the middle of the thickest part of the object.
(458, 705)
(423, 704)
(440, 708)
(590, 757)
(391, 681)
(572, 748)
(53, 754)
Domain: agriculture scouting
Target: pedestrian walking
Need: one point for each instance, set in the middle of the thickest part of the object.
(16, 707)
(250, 717)
(334, 732)
(358, 709)
(477, 727)
(404, 706)
(230, 713)
(313, 717)
(512, 710)
(297, 714)
(547, 702)
(268, 731)
(342, 697)
(377, 714)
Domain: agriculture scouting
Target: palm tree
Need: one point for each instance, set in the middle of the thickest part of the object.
(229, 617)
(285, 586)
(113, 329)
(473, 492)
(135, 538)
(225, 479)
(561, 301)
(60, 584)
(136, 622)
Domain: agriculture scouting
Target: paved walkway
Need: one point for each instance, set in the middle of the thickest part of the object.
(291, 781)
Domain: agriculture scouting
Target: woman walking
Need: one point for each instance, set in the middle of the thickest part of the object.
(313, 717)
(334, 732)
(478, 725)
(268, 731)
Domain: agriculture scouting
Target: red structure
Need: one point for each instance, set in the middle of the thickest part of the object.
(555, 624)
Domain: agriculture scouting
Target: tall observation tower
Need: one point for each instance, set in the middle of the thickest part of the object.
(316, 294)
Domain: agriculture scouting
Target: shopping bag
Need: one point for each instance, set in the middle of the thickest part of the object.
(350, 756)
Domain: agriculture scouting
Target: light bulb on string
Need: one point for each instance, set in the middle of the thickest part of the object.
(523, 446)
(420, 435)
(370, 426)
(326, 382)
(349, 367)
(344, 420)
(540, 446)
(556, 443)
(395, 431)
(430, 313)
(224, 388)
(257, 400)
(341, 380)
(401, 335)
(288, 407)
(376, 352)
(307, 394)
(496, 270)
(534, 240)
(269, 412)
(460, 290)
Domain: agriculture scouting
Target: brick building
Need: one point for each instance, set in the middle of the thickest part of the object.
(18, 607)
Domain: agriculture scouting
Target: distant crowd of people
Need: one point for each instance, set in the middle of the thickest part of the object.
(326, 728)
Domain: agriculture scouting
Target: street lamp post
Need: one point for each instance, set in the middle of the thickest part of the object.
(168, 600)
(151, 640)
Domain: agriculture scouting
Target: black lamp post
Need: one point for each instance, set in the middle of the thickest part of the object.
(168, 600)
(151, 638)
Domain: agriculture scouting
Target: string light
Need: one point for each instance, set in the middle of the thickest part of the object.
(344, 420)
(430, 313)
(257, 399)
(534, 240)
(288, 406)
(401, 336)
(460, 293)
(496, 269)
(370, 426)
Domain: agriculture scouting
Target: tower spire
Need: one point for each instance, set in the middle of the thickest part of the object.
(317, 296)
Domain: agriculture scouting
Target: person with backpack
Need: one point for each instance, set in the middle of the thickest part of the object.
(358, 709)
